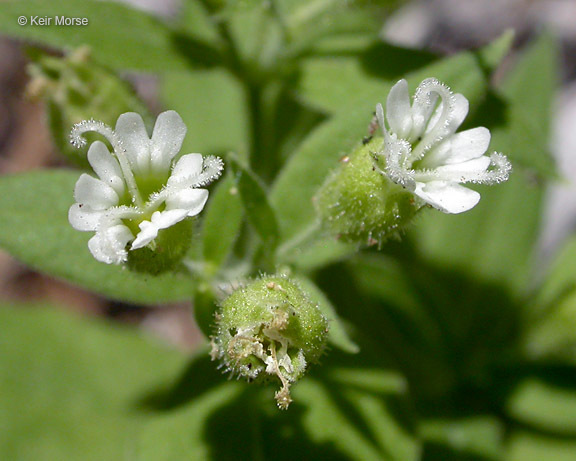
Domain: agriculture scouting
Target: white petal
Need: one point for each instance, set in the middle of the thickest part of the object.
(148, 232)
(468, 145)
(459, 112)
(106, 166)
(398, 112)
(159, 220)
(167, 138)
(447, 196)
(167, 218)
(109, 246)
(84, 218)
(132, 132)
(188, 166)
(191, 200)
(93, 192)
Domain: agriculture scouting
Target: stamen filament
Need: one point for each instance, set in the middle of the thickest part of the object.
(424, 91)
(213, 167)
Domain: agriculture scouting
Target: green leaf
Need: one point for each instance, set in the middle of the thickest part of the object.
(347, 414)
(212, 105)
(337, 335)
(552, 333)
(256, 206)
(472, 438)
(365, 73)
(312, 250)
(368, 72)
(561, 277)
(546, 405)
(120, 37)
(529, 446)
(221, 223)
(72, 388)
(530, 90)
(35, 229)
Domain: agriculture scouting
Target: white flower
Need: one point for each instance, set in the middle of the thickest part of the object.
(423, 152)
(140, 188)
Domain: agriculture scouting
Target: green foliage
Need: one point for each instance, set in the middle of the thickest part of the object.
(256, 207)
(221, 224)
(35, 229)
(149, 45)
(441, 346)
(76, 387)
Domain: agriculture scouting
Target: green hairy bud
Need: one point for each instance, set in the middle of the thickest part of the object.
(360, 205)
(267, 330)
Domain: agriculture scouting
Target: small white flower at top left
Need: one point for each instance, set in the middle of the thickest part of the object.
(140, 189)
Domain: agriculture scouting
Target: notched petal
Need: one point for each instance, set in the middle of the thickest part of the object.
(398, 111)
(94, 193)
(132, 133)
(106, 166)
(191, 200)
(84, 218)
(167, 138)
(447, 197)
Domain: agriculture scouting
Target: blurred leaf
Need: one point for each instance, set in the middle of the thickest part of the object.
(221, 223)
(35, 229)
(552, 333)
(493, 53)
(213, 107)
(547, 404)
(552, 326)
(315, 251)
(349, 414)
(195, 19)
(120, 37)
(528, 446)
(478, 438)
(561, 278)
(71, 387)
(256, 206)
(530, 91)
(368, 72)
(337, 335)
(75, 88)
(365, 73)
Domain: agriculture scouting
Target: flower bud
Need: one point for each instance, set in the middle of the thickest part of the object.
(357, 204)
(269, 329)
